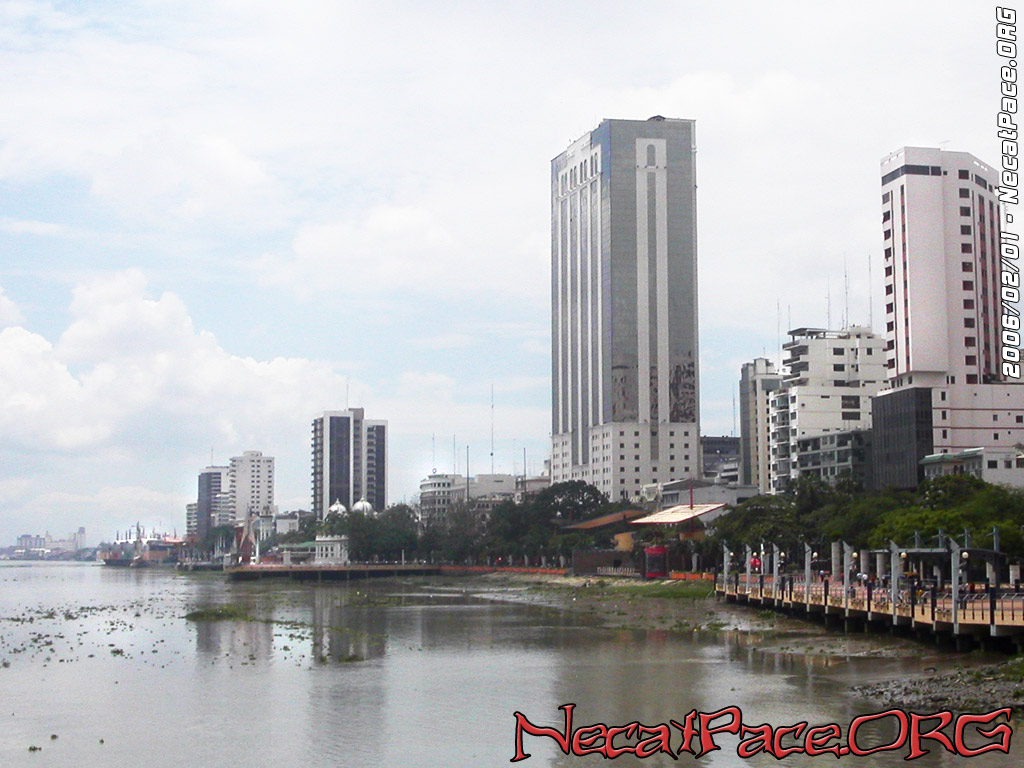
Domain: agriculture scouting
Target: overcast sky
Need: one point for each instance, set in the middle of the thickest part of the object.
(218, 218)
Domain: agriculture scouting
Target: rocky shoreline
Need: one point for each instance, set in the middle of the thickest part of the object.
(960, 682)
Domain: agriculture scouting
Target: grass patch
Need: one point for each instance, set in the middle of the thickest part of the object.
(1013, 670)
(678, 590)
(229, 612)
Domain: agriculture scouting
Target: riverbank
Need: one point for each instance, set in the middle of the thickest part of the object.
(942, 680)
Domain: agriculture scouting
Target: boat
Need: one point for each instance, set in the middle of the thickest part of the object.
(141, 551)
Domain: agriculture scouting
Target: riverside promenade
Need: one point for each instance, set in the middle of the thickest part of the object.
(349, 571)
(977, 616)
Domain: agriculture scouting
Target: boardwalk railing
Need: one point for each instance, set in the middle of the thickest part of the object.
(996, 611)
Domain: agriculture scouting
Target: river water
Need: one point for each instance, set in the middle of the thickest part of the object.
(381, 673)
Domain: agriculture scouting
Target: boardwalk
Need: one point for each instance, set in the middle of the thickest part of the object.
(976, 615)
(330, 572)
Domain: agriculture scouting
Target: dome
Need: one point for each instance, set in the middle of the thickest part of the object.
(363, 507)
(337, 508)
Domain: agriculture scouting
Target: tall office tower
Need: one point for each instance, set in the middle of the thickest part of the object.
(350, 460)
(251, 485)
(828, 385)
(213, 502)
(624, 306)
(945, 392)
(758, 383)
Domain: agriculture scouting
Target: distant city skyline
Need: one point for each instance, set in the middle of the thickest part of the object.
(198, 250)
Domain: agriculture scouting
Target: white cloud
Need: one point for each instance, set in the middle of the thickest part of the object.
(445, 341)
(9, 312)
(30, 227)
(128, 402)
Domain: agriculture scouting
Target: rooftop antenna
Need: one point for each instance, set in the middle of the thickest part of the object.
(492, 429)
(871, 313)
(828, 302)
(778, 328)
(734, 410)
(846, 295)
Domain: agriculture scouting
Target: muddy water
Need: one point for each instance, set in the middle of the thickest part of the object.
(384, 673)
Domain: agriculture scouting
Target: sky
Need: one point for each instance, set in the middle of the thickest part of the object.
(220, 218)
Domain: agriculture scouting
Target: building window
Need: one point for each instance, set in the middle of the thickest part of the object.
(972, 378)
(963, 174)
(966, 248)
(968, 322)
(965, 192)
(993, 464)
(965, 229)
(970, 341)
(968, 285)
(965, 210)
(971, 360)
(968, 303)
(838, 367)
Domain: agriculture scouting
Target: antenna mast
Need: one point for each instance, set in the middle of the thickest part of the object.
(871, 313)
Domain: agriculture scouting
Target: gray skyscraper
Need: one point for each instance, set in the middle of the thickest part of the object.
(350, 461)
(624, 306)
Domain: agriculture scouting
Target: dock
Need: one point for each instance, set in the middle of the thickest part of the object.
(976, 616)
(329, 572)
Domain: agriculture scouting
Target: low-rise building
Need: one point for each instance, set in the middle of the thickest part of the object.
(829, 382)
(993, 465)
(835, 455)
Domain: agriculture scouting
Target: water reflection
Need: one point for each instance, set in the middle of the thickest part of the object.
(373, 674)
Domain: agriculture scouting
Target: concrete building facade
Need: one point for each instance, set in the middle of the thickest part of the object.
(350, 461)
(759, 381)
(945, 392)
(251, 478)
(830, 379)
(624, 306)
(213, 503)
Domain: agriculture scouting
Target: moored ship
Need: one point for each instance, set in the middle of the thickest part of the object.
(141, 551)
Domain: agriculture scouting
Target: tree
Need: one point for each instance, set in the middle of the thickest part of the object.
(570, 501)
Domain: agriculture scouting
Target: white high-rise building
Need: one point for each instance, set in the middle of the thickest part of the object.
(758, 383)
(624, 307)
(945, 392)
(251, 479)
(830, 379)
(350, 461)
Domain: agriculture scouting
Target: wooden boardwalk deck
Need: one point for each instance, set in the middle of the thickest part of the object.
(977, 614)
